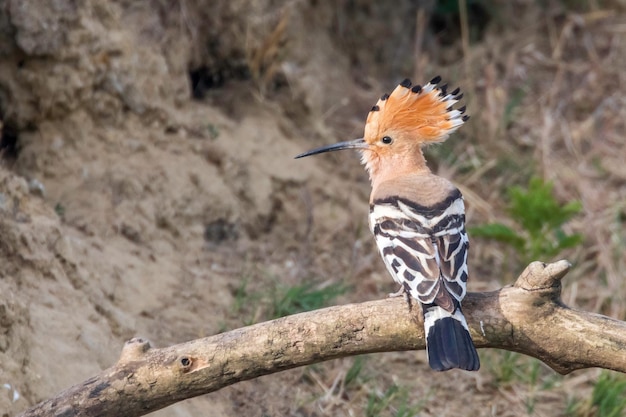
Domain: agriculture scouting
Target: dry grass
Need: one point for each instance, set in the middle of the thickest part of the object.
(549, 99)
(553, 104)
(547, 94)
(546, 91)
(264, 57)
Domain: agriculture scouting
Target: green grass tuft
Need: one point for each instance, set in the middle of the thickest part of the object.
(303, 297)
(608, 398)
(394, 401)
(609, 395)
(355, 373)
(540, 219)
(278, 300)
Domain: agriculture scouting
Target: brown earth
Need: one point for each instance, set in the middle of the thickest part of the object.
(137, 200)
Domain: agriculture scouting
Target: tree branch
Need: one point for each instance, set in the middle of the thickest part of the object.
(528, 317)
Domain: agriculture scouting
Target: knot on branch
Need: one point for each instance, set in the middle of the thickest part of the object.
(542, 276)
(185, 363)
(134, 350)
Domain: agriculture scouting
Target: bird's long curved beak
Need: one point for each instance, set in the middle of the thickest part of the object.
(349, 144)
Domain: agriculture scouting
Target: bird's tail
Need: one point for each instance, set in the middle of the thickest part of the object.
(448, 341)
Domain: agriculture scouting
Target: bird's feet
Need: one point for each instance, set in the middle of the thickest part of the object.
(398, 293)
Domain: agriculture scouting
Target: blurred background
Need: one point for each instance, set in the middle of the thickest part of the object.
(148, 186)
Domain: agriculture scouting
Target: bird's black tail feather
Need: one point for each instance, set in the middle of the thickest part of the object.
(450, 345)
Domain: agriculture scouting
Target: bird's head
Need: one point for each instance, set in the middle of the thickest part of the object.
(401, 123)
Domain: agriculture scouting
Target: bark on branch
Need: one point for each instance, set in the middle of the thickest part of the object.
(527, 317)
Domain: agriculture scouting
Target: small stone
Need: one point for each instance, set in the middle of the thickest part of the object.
(36, 188)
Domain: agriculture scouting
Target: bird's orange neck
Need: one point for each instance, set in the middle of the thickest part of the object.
(393, 165)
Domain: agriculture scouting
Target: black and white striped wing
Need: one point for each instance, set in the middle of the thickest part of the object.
(424, 250)
(452, 246)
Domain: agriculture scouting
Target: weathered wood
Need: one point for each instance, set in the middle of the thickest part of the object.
(528, 317)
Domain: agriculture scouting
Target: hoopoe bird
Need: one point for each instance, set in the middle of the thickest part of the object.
(418, 218)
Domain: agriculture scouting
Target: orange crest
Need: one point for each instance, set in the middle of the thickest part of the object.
(423, 114)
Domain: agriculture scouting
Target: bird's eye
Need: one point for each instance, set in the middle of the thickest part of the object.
(386, 140)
